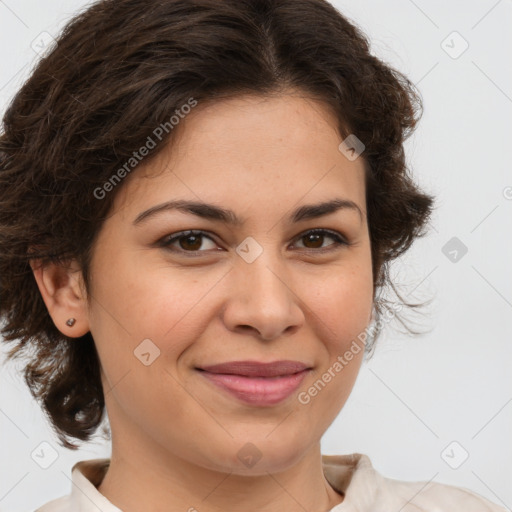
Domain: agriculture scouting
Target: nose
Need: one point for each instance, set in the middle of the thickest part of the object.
(262, 299)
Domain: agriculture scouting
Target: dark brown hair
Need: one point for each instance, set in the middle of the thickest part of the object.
(118, 71)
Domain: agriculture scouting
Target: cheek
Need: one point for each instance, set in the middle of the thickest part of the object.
(138, 302)
(135, 304)
(341, 307)
(342, 304)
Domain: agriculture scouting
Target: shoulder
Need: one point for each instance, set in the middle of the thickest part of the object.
(366, 490)
(62, 504)
(433, 497)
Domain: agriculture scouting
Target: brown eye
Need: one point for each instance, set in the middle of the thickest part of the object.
(190, 242)
(315, 239)
(187, 241)
(193, 242)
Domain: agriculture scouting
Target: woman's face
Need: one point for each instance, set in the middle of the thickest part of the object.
(263, 289)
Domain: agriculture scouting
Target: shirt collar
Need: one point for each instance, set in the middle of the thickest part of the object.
(86, 476)
(351, 475)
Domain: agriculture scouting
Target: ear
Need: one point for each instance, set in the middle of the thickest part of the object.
(61, 286)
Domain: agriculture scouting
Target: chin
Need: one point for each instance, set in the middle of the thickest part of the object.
(257, 457)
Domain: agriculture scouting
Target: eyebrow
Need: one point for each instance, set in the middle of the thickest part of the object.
(216, 213)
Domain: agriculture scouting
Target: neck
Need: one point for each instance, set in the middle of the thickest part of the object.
(150, 479)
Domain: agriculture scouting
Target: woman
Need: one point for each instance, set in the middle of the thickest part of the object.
(200, 200)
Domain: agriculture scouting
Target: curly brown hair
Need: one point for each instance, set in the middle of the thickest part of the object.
(118, 70)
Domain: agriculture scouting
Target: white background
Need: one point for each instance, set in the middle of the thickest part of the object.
(417, 395)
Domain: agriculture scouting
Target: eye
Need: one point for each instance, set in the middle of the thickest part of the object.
(316, 237)
(187, 241)
(192, 241)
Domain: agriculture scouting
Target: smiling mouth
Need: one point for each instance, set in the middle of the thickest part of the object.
(257, 390)
(251, 368)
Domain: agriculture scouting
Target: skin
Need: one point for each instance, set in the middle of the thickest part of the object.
(175, 436)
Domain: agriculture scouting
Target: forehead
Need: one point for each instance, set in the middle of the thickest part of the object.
(249, 150)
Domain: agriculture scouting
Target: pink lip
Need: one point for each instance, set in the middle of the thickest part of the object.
(261, 384)
(262, 391)
(257, 369)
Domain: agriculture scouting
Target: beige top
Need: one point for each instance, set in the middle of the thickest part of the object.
(364, 490)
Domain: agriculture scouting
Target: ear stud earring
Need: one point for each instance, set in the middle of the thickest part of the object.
(70, 322)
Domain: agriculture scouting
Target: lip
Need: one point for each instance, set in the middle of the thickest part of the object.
(257, 368)
(257, 384)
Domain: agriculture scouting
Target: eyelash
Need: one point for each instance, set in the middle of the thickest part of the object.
(170, 239)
